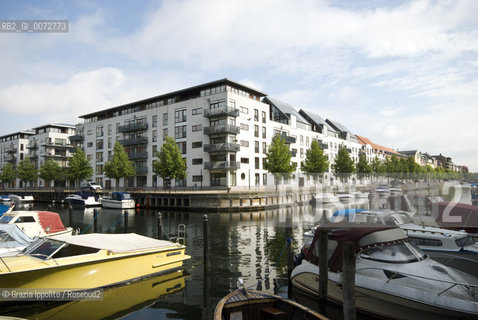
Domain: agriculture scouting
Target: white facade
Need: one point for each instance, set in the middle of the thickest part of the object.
(13, 149)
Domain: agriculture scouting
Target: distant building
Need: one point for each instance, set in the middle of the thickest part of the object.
(444, 162)
(373, 150)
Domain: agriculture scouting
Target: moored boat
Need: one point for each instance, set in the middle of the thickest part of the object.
(83, 199)
(12, 240)
(118, 200)
(327, 197)
(258, 305)
(36, 223)
(89, 261)
(21, 199)
(346, 197)
(393, 278)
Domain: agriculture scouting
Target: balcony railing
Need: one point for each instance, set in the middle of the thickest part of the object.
(58, 156)
(141, 170)
(222, 147)
(76, 138)
(139, 126)
(32, 146)
(222, 128)
(221, 111)
(11, 149)
(56, 145)
(138, 155)
(134, 141)
(288, 139)
(226, 165)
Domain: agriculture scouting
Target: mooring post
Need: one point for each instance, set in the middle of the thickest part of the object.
(160, 226)
(70, 214)
(205, 240)
(323, 267)
(95, 220)
(125, 221)
(290, 266)
(348, 284)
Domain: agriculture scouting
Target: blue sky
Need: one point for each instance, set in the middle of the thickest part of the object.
(402, 73)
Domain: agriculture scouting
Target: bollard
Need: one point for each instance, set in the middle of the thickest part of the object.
(205, 242)
(95, 220)
(49, 207)
(290, 266)
(160, 226)
(348, 284)
(125, 221)
(323, 267)
(70, 215)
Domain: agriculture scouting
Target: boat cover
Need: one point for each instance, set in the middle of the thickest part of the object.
(123, 242)
(52, 220)
(15, 232)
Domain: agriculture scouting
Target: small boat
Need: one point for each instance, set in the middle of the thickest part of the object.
(360, 195)
(322, 198)
(83, 199)
(12, 240)
(119, 200)
(36, 223)
(383, 191)
(21, 199)
(393, 277)
(346, 197)
(89, 261)
(258, 305)
(5, 198)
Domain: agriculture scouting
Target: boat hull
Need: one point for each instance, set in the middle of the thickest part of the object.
(89, 271)
(118, 204)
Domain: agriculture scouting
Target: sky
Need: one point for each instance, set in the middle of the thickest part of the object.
(402, 73)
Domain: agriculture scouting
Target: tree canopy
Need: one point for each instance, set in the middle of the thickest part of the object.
(363, 167)
(315, 160)
(170, 163)
(26, 171)
(51, 170)
(119, 166)
(79, 167)
(343, 163)
(9, 174)
(278, 158)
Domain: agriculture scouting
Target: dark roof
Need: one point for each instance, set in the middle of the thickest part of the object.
(316, 119)
(190, 90)
(56, 125)
(339, 127)
(286, 108)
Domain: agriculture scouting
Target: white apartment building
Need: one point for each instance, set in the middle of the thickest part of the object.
(13, 149)
(222, 128)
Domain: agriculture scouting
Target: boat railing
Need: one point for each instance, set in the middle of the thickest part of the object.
(471, 288)
(452, 257)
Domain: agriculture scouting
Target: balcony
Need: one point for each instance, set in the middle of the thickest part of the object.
(134, 141)
(11, 159)
(32, 146)
(76, 138)
(221, 111)
(11, 149)
(141, 170)
(139, 126)
(222, 128)
(288, 139)
(57, 156)
(56, 145)
(222, 165)
(73, 148)
(138, 155)
(219, 147)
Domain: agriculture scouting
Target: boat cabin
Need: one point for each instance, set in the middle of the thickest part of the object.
(456, 216)
(35, 223)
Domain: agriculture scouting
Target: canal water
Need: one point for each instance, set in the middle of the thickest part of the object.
(246, 245)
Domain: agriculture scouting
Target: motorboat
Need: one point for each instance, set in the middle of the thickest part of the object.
(383, 191)
(326, 197)
(6, 208)
(21, 199)
(83, 199)
(337, 216)
(4, 198)
(36, 223)
(12, 240)
(360, 195)
(393, 277)
(456, 216)
(258, 305)
(89, 261)
(118, 200)
(345, 197)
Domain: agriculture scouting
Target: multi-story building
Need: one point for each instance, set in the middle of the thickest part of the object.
(13, 149)
(373, 150)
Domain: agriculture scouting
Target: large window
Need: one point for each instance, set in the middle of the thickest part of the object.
(165, 119)
(180, 132)
(218, 179)
(180, 116)
(182, 147)
(155, 121)
(256, 131)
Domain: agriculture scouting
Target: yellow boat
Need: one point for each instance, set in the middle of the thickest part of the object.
(71, 263)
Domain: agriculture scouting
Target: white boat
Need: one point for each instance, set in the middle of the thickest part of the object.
(118, 200)
(36, 223)
(383, 190)
(393, 277)
(360, 195)
(322, 198)
(21, 199)
(346, 197)
(5, 198)
(83, 199)
(12, 240)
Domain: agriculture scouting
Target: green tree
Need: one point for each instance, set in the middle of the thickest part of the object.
(378, 166)
(50, 170)
(344, 165)
(362, 167)
(315, 160)
(119, 166)
(79, 167)
(278, 159)
(9, 174)
(170, 163)
(26, 171)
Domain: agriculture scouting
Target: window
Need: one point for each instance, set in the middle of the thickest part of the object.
(301, 140)
(182, 147)
(264, 134)
(117, 128)
(89, 157)
(306, 141)
(233, 179)
(244, 127)
(197, 127)
(181, 182)
(256, 131)
(89, 132)
(264, 179)
(110, 130)
(244, 160)
(180, 132)
(155, 136)
(197, 161)
(155, 121)
(244, 110)
(257, 179)
(154, 150)
(109, 143)
(197, 111)
(197, 178)
(99, 157)
(165, 119)
(256, 115)
(180, 116)
(244, 143)
(263, 117)
(165, 133)
(89, 144)
(218, 179)
(99, 144)
(264, 148)
(257, 163)
(256, 146)
(197, 144)
(99, 169)
(99, 131)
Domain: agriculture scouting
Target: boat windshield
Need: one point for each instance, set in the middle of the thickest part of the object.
(43, 248)
(397, 219)
(5, 237)
(404, 252)
(6, 219)
(465, 241)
